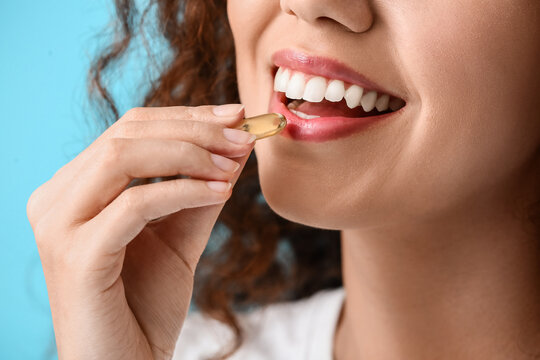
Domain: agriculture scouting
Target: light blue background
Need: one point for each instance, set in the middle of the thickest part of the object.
(45, 48)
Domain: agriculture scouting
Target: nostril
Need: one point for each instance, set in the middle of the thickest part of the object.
(325, 20)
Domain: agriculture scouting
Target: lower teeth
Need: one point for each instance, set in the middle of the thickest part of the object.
(302, 115)
(294, 104)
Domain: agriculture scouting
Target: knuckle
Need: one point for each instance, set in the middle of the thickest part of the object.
(122, 130)
(134, 114)
(197, 130)
(185, 147)
(201, 130)
(112, 151)
(195, 155)
(190, 113)
(60, 172)
(178, 186)
(191, 127)
(131, 199)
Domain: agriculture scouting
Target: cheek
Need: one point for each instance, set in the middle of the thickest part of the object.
(485, 55)
(250, 22)
(247, 18)
(476, 73)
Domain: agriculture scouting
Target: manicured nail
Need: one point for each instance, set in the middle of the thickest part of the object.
(227, 109)
(224, 164)
(219, 186)
(238, 136)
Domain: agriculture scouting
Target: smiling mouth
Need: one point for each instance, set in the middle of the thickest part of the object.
(310, 96)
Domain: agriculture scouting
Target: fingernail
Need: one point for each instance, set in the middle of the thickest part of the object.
(219, 186)
(227, 109)
(224, 164)
(238, 136)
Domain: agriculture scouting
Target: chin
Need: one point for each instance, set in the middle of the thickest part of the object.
(294, 211)
(295, 202)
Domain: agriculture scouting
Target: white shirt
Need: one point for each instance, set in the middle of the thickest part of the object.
(302, 329)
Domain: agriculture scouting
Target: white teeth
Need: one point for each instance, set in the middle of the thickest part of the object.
(335, 91)
(318, 88)
(281, 80)
(382, 102)
(353, 96)
(302, 115)
(315, 89)
(368, 101)
(295, 87)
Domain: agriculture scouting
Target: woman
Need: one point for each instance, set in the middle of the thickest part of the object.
(431, 186)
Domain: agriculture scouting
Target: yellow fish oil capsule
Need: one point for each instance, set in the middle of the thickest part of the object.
(264, 125)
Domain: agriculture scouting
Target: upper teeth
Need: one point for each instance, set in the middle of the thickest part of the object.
(317, 88)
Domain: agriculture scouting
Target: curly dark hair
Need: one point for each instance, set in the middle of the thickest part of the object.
(254, 257)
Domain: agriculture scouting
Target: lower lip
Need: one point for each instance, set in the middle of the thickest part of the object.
(322, 128)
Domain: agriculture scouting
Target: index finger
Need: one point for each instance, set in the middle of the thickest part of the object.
(228, 114)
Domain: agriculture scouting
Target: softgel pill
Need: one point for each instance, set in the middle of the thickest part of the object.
(265, 125)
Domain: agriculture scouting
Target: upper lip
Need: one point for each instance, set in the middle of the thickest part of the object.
(324, 66)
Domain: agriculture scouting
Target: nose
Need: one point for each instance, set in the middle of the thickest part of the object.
(354, 15)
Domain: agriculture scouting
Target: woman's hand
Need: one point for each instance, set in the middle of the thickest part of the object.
(119, 286)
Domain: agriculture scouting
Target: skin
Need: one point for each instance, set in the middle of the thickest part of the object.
(438, 259)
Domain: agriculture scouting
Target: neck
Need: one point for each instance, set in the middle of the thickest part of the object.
(465, 288)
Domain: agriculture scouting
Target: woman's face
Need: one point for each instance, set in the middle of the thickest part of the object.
(469, 72)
